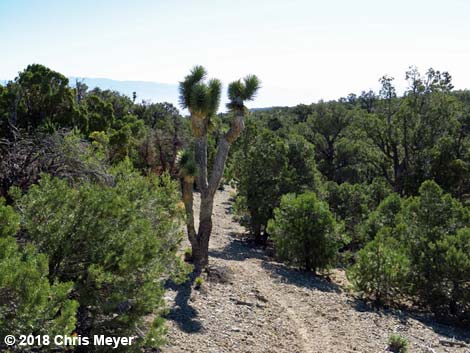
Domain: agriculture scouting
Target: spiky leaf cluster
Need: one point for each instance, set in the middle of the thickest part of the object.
(199, 97)
(198, 73)
(187, 163)
(242, 90)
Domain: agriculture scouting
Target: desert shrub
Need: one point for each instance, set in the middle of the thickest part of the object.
(430, 224)
(419, 248)
(378, 190)
(301, 174)
(305, 232)
(29, 304)
(124, 138)
(9, 220)
(265, 167)
(198, 282)
(383, 216)
(397, 344)
(350, 203)
(240, 211)
(258, 170)
(381, 267)
(115, 243)
(456, 272)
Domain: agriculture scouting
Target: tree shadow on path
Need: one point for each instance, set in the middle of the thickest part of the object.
(299, 278)
(240, 248)
(182, 313)
(448, 330)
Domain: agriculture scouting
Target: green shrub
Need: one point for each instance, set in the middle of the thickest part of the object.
(455, 272)
(258, 170)
(305, 232)
(381, 267)
(430, 224)
(188, 254)
(350, 203)
(198, 282)
(116, 244)
(29, 304)
(383, 216)
(265, 167)
(9, 220)
(419, 248)
(398, 344)
(240, 211)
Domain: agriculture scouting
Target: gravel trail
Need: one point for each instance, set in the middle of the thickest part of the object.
(261, 306)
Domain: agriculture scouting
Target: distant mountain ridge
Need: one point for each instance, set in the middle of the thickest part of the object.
(145, 90)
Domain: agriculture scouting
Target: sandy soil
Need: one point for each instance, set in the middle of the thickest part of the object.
(261, 305)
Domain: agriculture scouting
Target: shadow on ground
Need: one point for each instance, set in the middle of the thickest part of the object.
(182, 313)
(240, 248)
(447, 330)
(228, 207)
(299, 278)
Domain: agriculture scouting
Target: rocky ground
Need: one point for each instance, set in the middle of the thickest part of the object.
(251, 303)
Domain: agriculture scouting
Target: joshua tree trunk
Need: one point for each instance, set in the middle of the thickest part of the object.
(201, 248)
(200, 240)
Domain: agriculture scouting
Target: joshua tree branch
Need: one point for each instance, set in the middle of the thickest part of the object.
(223, 148)
(199, 127)
(187, 188)
(200, 148)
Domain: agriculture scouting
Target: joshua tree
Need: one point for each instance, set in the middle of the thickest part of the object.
(202, 99)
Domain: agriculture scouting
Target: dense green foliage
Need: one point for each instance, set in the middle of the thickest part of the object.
(382, 267)
(111, 242)
(96, 242)
(265, 167)
(404, 141)
(419, 248)
(383, 216)
(352, 203)
(305, 232)
(28, 301)
(40, 99)
(430, 225)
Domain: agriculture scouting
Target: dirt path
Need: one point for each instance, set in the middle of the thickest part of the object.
(267, 307)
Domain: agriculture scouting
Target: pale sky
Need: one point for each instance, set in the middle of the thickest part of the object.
(302, 51)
